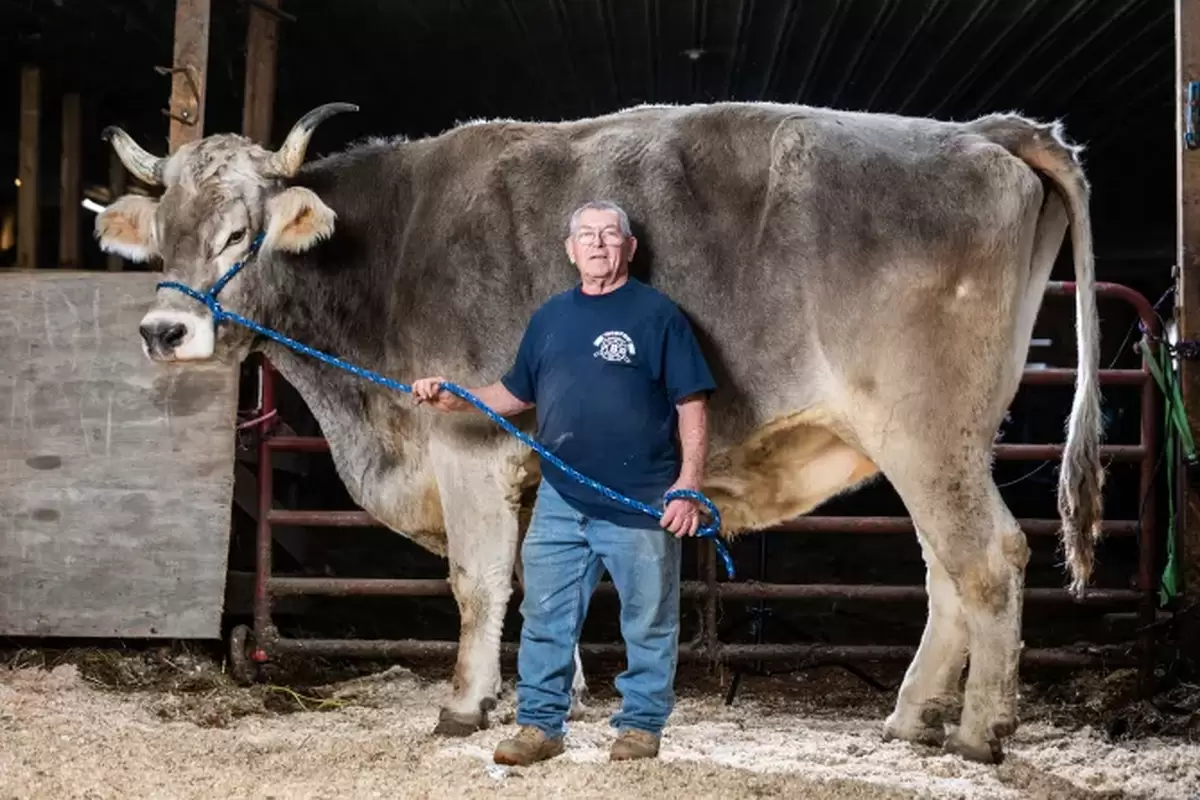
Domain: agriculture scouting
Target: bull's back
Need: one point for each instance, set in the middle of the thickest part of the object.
(778, 229)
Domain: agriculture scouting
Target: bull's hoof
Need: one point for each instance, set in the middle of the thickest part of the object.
(991, 752)
(459, 725)
(1005, 728)
(929, 735)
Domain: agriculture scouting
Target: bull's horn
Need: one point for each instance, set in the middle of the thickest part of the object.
(145, 167)
(290, 155)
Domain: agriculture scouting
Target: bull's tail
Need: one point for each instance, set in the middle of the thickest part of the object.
(1081, 478)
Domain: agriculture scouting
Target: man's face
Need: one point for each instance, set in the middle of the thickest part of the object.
(597, 248)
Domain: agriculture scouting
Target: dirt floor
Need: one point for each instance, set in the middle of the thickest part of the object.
(169, 723)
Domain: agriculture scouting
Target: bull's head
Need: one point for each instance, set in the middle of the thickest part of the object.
(219, 193)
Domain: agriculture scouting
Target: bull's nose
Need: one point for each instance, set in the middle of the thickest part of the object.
(162, 335)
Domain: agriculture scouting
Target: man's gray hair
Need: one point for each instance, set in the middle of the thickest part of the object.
(600, 205)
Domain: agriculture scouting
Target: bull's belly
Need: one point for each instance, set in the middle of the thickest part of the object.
(783, 469)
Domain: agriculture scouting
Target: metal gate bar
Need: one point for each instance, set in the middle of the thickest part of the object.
(738, 590)
(729, 653)
(248, 648)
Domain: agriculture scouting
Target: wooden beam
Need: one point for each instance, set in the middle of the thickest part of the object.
(262, 50)
(116, 183)
(28, 211)
(189, 71)
(1187, 63)
(69, 183)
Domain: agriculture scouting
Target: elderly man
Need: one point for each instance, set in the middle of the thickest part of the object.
(620, 387)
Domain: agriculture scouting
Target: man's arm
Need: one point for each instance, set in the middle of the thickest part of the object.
(494, 395)
(693, 440)
(689, 382)
(682, 516)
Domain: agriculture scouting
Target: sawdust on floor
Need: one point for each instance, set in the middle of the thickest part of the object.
(112, 726)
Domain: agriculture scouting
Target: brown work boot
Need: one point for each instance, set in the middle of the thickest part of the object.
(633, 744)
(529, 746)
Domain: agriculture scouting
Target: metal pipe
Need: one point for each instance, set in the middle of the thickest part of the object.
(1105, 289)
(1049, 452)
(817, 653)
(711, 587)
(1031, 527)
(1149, 508)
(360, 587)
(330, 519)
(1058, 376)
(865, 525)
(1004, 452)
(1146, 549)
(262, 567)
(740, 590)
(753, 590)
(300, 444)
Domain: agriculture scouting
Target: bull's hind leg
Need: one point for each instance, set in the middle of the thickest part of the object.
(481, 513)
(929, 693)
(977, 542)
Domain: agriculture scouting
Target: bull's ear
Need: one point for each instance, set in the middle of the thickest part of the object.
(296, 220)
(127, 228)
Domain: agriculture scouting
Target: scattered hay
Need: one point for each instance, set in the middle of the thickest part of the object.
(156, 723)
(379, 690)
(190, 683)
(185, 684)
(1109, 702)
(178, 668)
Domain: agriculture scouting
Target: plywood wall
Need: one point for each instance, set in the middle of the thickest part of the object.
(116, 475)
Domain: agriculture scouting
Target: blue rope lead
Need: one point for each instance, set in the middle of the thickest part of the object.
(220, 315)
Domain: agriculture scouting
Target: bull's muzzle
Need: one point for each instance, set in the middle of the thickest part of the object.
(172, 335)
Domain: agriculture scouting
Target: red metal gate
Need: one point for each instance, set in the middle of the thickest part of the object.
(249, 647)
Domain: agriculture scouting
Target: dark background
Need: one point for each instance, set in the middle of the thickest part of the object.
(1105, 67)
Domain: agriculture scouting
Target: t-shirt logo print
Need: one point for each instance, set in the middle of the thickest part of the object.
(614, 346)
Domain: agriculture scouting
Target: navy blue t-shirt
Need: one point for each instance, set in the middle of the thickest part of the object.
(605, 372)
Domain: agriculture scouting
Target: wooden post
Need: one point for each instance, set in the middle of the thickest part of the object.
(28, 212)
(189, 72)
(262, 49)
(116, 184)
(1187, 67)
(69, 183)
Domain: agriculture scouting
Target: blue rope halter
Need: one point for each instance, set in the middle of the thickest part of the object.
(220, 315)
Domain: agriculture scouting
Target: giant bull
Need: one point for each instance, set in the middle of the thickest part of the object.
(865, 286)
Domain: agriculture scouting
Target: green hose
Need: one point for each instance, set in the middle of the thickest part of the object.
(1178, 433)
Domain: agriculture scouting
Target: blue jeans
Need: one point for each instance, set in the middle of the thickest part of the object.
(565, 555)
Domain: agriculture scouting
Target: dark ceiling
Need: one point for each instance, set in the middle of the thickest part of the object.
(1106, 67)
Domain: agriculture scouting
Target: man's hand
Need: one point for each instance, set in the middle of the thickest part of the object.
(682, 515)
(429, 391)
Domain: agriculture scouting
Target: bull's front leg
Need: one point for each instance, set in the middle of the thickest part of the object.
(482, 532)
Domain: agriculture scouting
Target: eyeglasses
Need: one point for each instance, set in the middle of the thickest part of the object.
(610, 236)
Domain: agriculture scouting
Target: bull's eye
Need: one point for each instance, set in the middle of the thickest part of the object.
(234, 238)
